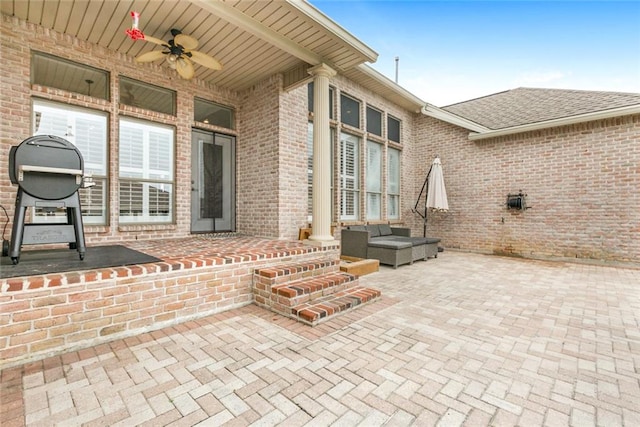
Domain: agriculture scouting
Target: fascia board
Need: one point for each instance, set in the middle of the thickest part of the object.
(316, 15)
(389, 84)
(454, 119)
(598, 115)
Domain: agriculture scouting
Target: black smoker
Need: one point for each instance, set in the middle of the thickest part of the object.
(49, 171)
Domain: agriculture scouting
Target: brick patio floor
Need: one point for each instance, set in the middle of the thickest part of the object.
(463, 339)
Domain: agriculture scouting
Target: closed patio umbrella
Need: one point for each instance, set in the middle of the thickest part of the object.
(436, 198)
(436, 192)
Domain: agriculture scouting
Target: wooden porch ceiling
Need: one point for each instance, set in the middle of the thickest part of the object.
(252, 39)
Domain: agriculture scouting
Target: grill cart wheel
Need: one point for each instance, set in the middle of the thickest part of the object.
(48, 171)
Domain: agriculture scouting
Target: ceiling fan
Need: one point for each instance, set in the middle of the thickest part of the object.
(179, 53)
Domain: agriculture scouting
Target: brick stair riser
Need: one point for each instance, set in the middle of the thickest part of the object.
(285, 310)
(283, 304)
(312, 315)
(300, 295)
(290, 277)
(285, 275)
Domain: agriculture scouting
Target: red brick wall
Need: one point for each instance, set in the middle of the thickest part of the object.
(257, 160)
(294, 119)
(581, 182)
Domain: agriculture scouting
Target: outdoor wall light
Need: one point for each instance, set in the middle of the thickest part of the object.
(516, 201)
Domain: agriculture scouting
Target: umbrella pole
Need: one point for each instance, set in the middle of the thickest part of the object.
(426, 193)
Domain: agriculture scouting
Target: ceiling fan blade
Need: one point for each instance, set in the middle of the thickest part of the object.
(154, 55)
(154, 40)
(187, 42)
(205, 60)
(184, 67)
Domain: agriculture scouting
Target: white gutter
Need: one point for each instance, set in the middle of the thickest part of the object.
(598, 115)
(391, 85)
(454, 119)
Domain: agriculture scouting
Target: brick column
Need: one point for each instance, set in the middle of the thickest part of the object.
(321, 222)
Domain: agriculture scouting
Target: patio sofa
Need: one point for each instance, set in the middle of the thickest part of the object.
(390, 245)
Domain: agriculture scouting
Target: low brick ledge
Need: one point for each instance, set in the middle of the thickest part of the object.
(324, 308)
(168, 264)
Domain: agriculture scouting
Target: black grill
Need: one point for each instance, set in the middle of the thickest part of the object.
(49, 171)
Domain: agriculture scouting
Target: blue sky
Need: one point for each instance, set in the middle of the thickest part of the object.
(453, 51)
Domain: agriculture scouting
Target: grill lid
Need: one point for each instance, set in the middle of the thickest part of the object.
(46, 167)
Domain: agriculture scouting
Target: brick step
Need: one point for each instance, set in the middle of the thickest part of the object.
(282, 297)
(308, 289)
(285, 273)
(309, 292)
(322, 309)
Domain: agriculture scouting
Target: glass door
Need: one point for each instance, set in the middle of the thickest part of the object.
(212, 182)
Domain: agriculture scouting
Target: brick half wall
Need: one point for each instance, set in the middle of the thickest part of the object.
(45, 315)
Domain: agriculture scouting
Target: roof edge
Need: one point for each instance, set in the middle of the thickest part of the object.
(454, 119)
(563, 121)
(390, 84)
(318, 16)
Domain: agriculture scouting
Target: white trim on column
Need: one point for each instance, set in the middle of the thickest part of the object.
(321, 220)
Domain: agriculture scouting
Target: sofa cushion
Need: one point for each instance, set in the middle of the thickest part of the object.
(385, 230)
(389, 244)
(374, 230)
(422, 240)
(357, 228)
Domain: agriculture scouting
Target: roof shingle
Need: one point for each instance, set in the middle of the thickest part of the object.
(530, 105)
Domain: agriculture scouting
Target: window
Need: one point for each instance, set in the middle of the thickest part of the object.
(374, 180)
(349, 111)
(374, 121)
(214, 114)
(87, 130)
(143, 95)
(51, 71)
(310, 99)
(310, 170)
(393, 183)
(349, 177)
(393, 129)
(146, 172)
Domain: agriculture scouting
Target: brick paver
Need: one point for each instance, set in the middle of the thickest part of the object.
(463, 339)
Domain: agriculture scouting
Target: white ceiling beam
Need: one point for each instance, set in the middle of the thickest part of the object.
(246, 23)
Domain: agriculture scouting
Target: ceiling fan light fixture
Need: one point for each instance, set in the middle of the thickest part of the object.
(179, 55)
(172, 58)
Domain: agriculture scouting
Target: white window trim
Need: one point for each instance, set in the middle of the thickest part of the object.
(164, 179)
(97, 170)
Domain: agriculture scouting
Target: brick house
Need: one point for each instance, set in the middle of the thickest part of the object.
(299, 131)
(575, 154)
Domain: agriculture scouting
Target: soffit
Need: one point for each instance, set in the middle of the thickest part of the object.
(252, 39)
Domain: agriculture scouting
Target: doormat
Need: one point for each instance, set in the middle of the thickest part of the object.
(48, 261)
